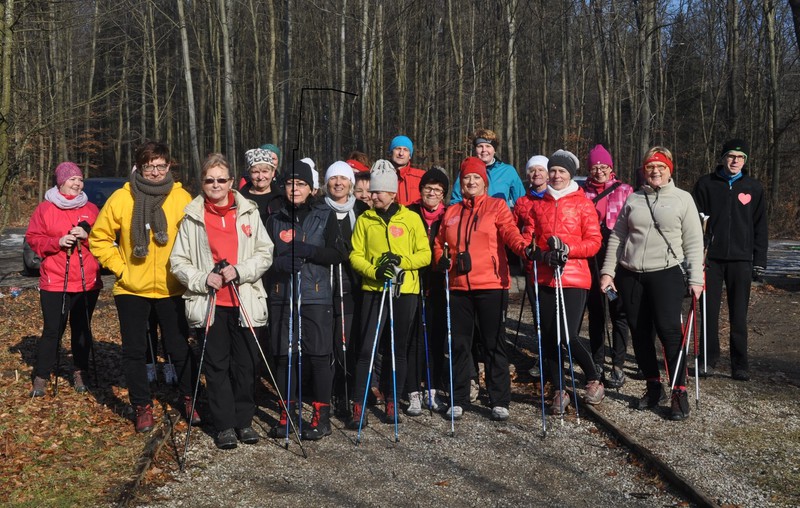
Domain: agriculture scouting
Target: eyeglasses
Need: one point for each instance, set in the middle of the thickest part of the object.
(653, 167)
(602, 168)
(297, 184)
(151, 168)
(732, 157)
(221, 181)
(433, 190)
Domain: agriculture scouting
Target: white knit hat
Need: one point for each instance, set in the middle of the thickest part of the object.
(536, 160)
(340, 168)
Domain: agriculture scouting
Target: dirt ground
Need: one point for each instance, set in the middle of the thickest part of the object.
(741, 445)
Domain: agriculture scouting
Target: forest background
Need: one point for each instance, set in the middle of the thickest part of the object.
(88, 81)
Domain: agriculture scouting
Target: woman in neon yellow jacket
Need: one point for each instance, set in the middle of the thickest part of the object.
(387, 240)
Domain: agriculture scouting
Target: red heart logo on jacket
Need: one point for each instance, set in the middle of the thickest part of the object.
(247, 230)
(744, 198)
(396, 231)
(287, 235)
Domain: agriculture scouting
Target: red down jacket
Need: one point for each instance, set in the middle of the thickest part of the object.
(482, 227)
(573, 219)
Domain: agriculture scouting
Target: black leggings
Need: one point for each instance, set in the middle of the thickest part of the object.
(574, 303)
(654, 300)
(55, 323)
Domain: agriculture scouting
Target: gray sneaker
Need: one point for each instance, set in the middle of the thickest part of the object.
(499, 413)
(414, 404)
(595, 393)
(430, 398)
(456, 412)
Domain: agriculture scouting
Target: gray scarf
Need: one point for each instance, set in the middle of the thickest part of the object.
(345, 209)
(148, 197)
(54, 196)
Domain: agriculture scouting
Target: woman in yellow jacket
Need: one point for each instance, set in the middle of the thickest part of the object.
(387, 239)
(143, 217)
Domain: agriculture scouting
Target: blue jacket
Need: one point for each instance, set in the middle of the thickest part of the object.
(504, 182)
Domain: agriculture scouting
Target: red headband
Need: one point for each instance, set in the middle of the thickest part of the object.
(659, 157)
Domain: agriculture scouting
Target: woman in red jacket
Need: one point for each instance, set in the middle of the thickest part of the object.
(567, 233)
(57, 231)
(477, 231)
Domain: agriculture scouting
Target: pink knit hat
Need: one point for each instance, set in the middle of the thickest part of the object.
(599, 155)
(65, 171)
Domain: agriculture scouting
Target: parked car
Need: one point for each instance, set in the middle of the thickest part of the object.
(98, 190)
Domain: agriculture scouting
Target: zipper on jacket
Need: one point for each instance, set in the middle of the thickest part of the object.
(494, 266)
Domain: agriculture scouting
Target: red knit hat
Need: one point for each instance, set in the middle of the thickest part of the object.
(65, 171)
(474, 165)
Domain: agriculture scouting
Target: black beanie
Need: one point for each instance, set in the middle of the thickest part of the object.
(300, 171)
(435, 175)
(739, 145)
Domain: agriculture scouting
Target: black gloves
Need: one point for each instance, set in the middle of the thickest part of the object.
(555, 258)
(533, 253)
(758, 272)
(389, 258)
(304, 250)
(444, 262)
(384, 272)
(287, 263)
(555, 243)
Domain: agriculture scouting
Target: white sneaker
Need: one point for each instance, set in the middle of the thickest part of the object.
(170, 377)
(151, 372)
(500, 413)
(456, 412)
(414, 404)
(474, 390)
(430, 398)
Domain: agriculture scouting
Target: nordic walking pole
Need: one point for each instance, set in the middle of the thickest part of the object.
(687, 336)
(427, 356)
(212, 299)
(344, 341)
(371, 362)
(287, 403)
(269, 370)
(62, 325)
(696, 350)
(539, 337)
(560, 289)
(449, 343)
(394, 365)
(299, 356)
(558, 345)
(86, 227)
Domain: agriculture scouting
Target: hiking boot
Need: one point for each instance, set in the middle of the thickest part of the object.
(680, 405)
(740, 375)
(39, 386)
(414, 404)
(638, 375)
(144, 418)
(247, 435)
(653, 395)
(474, 390)
(617, 379)
(279, 430)
(225, 439)
(187, 410)
(431, 399)
(77, 382)
(390, 412)
(355, 420)
(151, 373)
(560, 402)
(379, 398)
(595, 392)
(456, 412)
(499, 413)
(320, 422)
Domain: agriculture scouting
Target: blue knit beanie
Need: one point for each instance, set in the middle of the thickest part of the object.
(402, 141)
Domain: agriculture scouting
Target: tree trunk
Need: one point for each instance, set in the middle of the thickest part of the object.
(511, 101)
(7, 19)
(772, 122)
(230, 114)
(187, 77)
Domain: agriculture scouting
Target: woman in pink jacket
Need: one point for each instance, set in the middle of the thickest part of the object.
(567, 233)
(58, 231)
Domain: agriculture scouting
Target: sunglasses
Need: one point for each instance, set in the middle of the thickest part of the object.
(221, 181)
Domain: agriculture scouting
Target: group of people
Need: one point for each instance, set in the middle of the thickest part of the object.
(343, 289)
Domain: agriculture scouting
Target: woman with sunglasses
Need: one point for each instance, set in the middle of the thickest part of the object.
(143, 216)
(221, 252)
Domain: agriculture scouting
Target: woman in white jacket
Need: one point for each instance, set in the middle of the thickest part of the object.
(222, 245)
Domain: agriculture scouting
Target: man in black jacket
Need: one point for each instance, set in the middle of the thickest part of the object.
(737, 250)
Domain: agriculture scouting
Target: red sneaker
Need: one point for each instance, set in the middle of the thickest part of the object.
(144, 418)
(187, 410)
